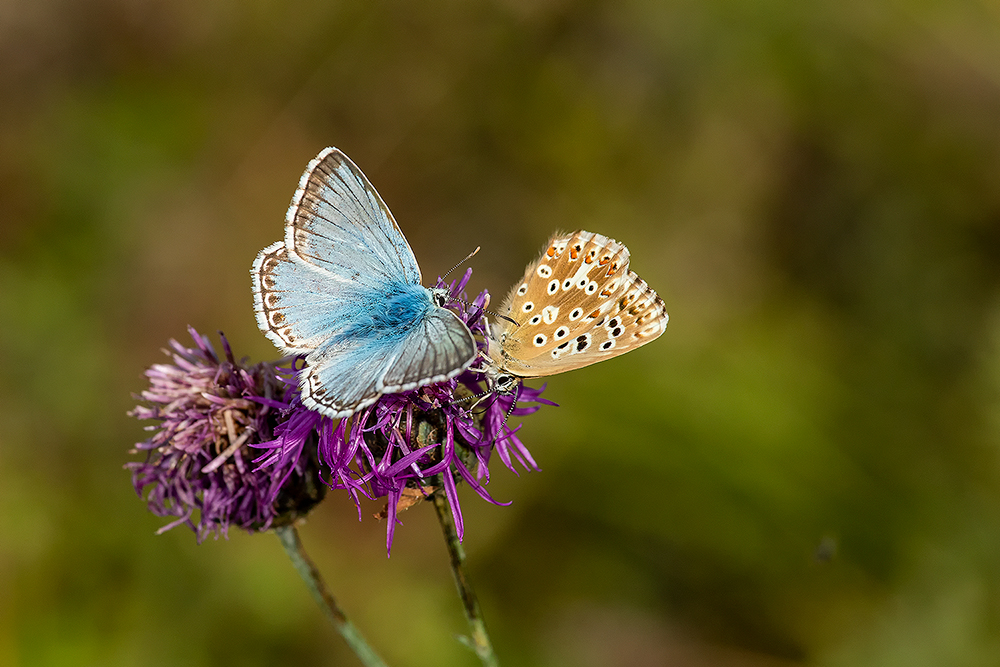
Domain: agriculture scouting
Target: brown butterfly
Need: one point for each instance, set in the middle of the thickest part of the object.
(577, 304)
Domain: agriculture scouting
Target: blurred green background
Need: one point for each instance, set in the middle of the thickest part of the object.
(802, 471)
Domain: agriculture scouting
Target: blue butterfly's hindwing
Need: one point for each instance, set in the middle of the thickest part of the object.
(441, 341)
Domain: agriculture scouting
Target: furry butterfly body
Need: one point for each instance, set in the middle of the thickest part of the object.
(576, 305)
(343, 290)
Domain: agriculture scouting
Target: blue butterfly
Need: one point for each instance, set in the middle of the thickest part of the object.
(343, 289)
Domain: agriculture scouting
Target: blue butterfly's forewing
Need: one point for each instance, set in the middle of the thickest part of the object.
(338, 222)
(343, 289)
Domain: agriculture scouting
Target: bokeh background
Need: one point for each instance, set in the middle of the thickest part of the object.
(802, 471)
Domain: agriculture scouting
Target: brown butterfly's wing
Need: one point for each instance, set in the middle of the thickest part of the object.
(577, 304)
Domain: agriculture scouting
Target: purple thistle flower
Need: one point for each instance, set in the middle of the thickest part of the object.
(402, 448)
(414, 443)
(210, 411)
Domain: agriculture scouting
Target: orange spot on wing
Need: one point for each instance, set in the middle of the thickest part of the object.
(590, 259)
(574, 253)
(594, 314)
(604, 260)
(605, 292)
(551, 251)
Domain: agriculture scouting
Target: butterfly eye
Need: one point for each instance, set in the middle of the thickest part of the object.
(592, 287)
(535, 320)
(540, 340)
(607, 345)
(582, 283)
(561, 333)
(575, 315)
(544, 271)
(528, 306)
(522, 290)
(553, 287)
(504, 383)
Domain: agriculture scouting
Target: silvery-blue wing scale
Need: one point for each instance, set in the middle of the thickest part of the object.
(338, 222)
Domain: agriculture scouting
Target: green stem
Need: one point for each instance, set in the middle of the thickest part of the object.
(289, 537)
(480, 642)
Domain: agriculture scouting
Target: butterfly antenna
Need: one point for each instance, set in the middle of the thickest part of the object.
(468, 257)
(485, 310)
(505, 433)
(503, 317)
(481, 395)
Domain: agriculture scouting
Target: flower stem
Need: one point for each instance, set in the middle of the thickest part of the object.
(289, 537)
(480, 642)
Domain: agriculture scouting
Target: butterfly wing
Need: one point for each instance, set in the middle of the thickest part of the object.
(338, 222)
(576, 305)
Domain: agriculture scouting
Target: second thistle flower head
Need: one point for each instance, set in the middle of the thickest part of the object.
(210, 412)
